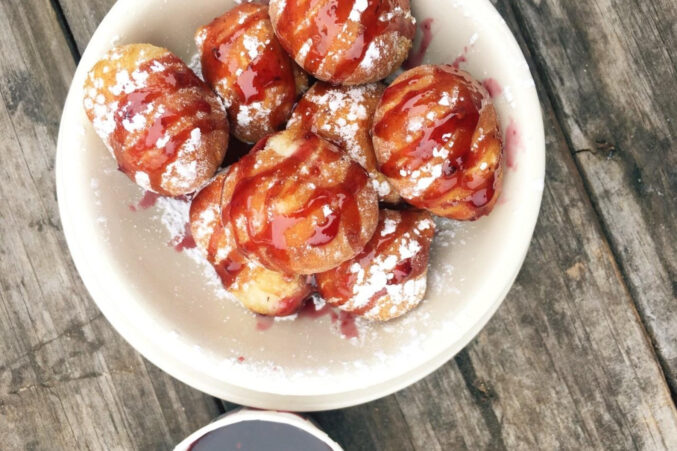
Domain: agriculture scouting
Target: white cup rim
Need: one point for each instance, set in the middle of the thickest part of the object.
(272, 416)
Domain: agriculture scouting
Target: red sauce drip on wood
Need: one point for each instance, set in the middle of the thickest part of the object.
(452, 130)
(327, 23)
(338, 284)
(417, 55)
(163, 86)
(271, 242)
(270, 69)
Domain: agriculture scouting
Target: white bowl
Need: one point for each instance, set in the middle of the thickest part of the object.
(166, 304)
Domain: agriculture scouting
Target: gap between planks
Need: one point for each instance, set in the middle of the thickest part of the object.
(66, 29)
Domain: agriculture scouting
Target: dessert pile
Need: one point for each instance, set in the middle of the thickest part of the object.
(338, 193)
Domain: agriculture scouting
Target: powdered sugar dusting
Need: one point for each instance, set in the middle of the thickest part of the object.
(352, 100)
(110, 106)
(345, 123)
(102, 112)
(375, 287)
(405, 15)
(382, 187)
(183, 171)
(255, 111)
(358, 8)
(358, 332)
(143, 180)
(201, 37)
(253, 45)
(372, 54)
(195, 64)
(440, 274)
(303, 51)
(173, 214)
(389, 226)
(136, 123)
(203, 226)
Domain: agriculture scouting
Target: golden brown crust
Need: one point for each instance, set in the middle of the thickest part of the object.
(259, 289)
(343, 115)
(245, 64)
(301, 205)
(436, 138)
(165, 127)
(388, 278)
(350, 42)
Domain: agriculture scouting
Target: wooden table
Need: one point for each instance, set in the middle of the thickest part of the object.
(582, 354)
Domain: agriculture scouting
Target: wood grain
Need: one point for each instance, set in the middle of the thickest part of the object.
(610, 70)
(67, 380)
(565, 363)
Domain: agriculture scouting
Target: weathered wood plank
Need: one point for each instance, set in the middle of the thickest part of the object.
(610, 68)
(67, 380)
(565, 362)
(83, 18)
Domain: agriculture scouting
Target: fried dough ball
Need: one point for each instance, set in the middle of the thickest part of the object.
(345, 42)
(259, 289)
(388, 278)
(165, 127)
(343, 116)
(300, 205)
(245, 64)
(437, 139)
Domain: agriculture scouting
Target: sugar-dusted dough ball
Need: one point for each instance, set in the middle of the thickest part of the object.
(437, 139)
(167, 130)
(245, 64)
(259, 289)
(345, 42)
(300, 205)
(388, 278)
(343, 115)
